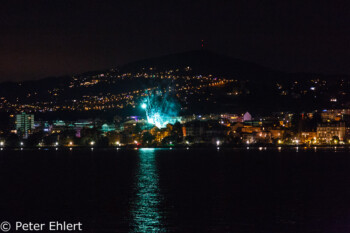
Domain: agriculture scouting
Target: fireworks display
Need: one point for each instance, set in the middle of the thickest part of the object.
(160, 109)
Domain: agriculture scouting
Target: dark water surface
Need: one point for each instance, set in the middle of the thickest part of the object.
(163, 190)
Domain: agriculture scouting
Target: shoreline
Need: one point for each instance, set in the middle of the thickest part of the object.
(247, 147)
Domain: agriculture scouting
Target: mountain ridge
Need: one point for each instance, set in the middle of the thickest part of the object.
(202, 62)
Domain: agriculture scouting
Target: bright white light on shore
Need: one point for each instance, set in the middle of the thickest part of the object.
(217, 142)
(70, 143)
(22, 143)
(56, 143)
(92, 143)
(2, 143)
(143, 106)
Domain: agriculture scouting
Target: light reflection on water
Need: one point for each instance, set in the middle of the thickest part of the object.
(145, 213)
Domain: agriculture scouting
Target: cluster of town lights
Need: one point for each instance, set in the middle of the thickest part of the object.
(218, 143)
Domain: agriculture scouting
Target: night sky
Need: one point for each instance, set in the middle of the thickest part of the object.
(51, 38)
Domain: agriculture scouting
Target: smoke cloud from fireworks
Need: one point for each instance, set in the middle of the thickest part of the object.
(161, 109)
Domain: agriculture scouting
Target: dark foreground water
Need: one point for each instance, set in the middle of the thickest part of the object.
(163, 190)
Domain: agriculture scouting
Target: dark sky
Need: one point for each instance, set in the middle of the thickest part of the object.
(45, 38)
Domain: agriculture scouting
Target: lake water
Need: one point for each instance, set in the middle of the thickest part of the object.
(179, 190)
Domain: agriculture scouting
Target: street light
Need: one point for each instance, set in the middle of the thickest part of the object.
(92, 143)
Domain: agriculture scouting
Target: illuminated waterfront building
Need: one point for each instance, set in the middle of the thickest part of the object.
(107, 128)
(328, 132)
(308, 137)
(24, 124)
(247, 117)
